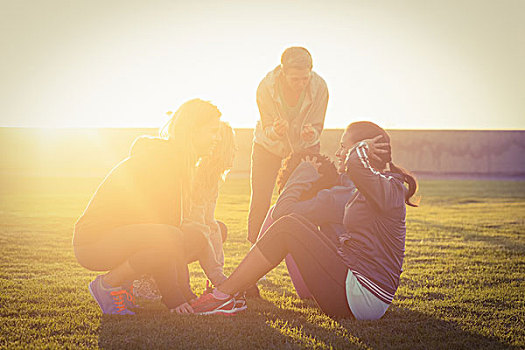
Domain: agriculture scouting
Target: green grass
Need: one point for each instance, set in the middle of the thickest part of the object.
(463, 284)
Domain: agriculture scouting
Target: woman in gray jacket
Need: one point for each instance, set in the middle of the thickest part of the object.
(360, 277)
(292, 102)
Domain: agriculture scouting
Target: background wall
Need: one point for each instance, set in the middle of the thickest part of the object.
(93, 152)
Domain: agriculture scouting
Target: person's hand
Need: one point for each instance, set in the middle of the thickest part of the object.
(376, 148)
(280, 126)
(308, 132)
(183, 309)
(313, 161)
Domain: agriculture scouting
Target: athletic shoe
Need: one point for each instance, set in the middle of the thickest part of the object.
(240, 302)
(146, 288)
(130, 300)
(208, 304)
(110, 300)
(209, 288)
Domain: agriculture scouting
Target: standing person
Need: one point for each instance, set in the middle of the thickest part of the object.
(131, 226)
(292, 102)
(361, 277)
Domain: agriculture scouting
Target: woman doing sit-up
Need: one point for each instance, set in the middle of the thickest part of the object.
(360, 277)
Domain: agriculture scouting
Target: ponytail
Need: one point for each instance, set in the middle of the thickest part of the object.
(409, 179)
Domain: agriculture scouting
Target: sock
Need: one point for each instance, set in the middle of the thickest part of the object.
(220, 295)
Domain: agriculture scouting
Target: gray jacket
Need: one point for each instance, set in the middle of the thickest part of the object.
(373, 246)
(312, 111)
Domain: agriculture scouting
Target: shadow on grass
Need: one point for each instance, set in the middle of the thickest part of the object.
(493, 234)
(266, 326)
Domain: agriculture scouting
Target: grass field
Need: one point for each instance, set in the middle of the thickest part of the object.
(463, 284)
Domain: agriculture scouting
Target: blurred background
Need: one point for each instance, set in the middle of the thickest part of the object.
(80, 80)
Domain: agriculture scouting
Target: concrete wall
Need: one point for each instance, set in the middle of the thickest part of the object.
(92, 152)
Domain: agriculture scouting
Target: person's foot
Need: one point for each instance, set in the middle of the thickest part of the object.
(252, 292)
(130, 298)
(209, 288)
(240, 302)
(110, 300)
(209, 304)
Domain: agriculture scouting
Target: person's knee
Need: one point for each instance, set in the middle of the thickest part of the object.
(90, 260)
(282, 227)
(287, 222)
(163, 235)
(150, 259)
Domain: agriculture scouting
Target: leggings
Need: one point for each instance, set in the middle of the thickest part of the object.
(264, 169)
(321, 267)
(153, 249)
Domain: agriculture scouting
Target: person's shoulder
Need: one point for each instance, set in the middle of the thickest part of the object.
(269, 79)
(148, 145)
(318, 81)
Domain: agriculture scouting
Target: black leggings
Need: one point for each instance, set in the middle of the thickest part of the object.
(156, 249)
(321, 267)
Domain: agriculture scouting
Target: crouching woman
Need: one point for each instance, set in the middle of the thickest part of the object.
(131, 226)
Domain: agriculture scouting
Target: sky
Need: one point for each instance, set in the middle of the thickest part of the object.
(407, 64)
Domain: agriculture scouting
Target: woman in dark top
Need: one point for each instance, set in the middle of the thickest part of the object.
(358, 278)
(131, 226)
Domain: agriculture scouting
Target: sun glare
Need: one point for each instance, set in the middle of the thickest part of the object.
(396, 65)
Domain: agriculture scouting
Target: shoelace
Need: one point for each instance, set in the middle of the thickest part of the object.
(118, 299)
(240, 299)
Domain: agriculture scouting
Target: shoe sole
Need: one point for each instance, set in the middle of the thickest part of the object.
(231, 312)
(94, 296)
(224, 312)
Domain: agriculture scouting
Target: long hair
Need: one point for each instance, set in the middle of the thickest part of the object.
(327, 170)
(214, 167)
(364, 130)
(179, 131)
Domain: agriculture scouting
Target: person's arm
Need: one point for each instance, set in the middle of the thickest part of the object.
(381, 190)
(317, 115)
(209, 205)
(268, 112)
(215, 231)
(209, 264)
(327, 206)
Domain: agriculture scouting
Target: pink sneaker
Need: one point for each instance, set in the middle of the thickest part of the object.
(208, 304)
(240, 302)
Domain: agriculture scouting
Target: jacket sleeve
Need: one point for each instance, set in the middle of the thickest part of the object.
(382, 191)
(318, 113)
(268, 111)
